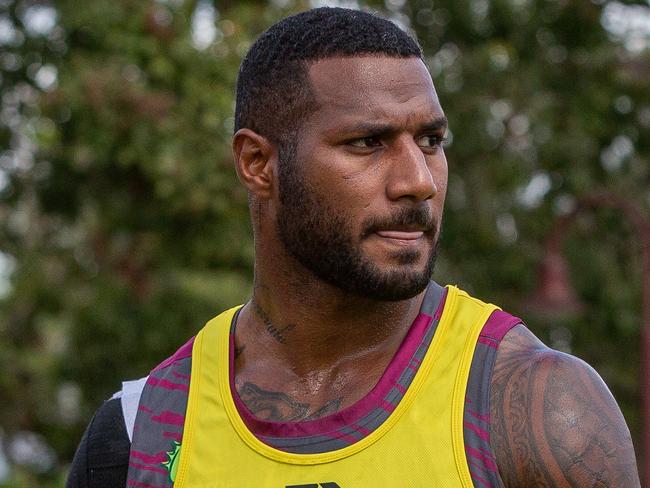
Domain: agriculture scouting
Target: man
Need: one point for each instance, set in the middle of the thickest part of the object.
(348, 367)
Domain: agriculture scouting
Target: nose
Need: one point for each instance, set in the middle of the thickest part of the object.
(411, 175)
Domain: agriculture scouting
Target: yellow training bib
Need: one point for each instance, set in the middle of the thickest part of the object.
(420, 444)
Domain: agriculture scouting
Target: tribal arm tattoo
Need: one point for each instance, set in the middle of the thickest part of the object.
(276, 406)
(554, 422)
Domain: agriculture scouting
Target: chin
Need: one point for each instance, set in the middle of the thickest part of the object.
(399, 276)
(397, 288)
(394, 282)
(407, 259)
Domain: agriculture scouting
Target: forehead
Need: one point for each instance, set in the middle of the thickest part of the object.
(377, 88)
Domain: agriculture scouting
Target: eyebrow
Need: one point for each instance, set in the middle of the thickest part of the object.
(378, 128)
(436, 124)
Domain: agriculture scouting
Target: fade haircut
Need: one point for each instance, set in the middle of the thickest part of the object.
(273, 90)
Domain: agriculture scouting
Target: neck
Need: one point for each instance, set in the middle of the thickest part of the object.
(307, 325)
(311, 325)
(312, 342)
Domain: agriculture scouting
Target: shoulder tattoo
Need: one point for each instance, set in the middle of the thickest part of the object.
(554, 422)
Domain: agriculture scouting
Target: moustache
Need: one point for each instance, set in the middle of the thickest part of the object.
(419, 217)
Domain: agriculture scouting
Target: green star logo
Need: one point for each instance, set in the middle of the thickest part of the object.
(173, 458)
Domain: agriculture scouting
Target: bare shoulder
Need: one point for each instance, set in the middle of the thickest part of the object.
(554, 421)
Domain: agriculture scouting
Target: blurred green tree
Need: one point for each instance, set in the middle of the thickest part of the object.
(123, 228)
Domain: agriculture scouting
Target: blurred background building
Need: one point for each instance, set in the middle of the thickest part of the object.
(123, 229)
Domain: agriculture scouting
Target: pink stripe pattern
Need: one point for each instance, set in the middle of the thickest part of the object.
(169, 418)
(148, 468)
(147, 458)
(166, 384)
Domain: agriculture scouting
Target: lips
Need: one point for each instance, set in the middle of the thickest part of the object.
(402, 235)
(406, 226)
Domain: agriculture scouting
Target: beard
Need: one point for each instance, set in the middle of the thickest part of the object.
(320, 238)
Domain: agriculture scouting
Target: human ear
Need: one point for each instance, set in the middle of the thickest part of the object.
(254, 160)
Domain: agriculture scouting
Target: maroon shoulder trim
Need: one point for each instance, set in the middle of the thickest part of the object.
(496, 327)
(476, 420)
(159, 422)
(185, 351)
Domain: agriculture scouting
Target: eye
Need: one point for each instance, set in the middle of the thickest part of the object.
(366, 142)
(430, 141)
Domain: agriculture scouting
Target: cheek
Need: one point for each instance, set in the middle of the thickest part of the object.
(440, 175)
(345, 181)
(442, 189)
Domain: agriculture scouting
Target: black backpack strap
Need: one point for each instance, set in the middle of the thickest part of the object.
(102, 458)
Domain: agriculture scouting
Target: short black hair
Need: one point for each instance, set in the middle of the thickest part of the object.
(273, 90)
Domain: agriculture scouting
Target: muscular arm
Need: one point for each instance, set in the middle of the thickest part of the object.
(554, 422)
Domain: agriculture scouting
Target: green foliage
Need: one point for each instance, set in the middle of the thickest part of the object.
(127, 229)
